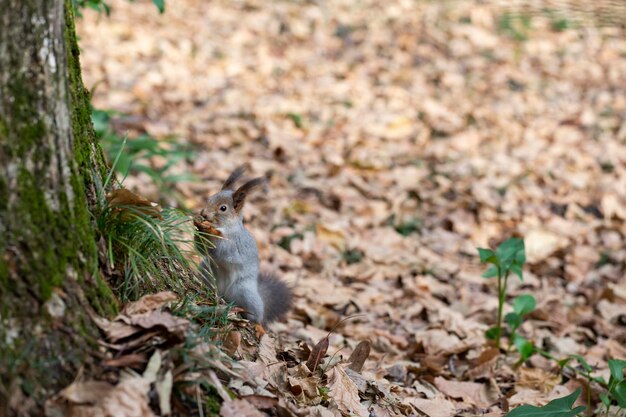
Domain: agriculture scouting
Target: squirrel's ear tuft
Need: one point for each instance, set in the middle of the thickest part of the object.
(232, 179)
(239, 196)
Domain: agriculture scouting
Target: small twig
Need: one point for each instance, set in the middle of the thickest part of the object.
(200, 411)
(218, 386)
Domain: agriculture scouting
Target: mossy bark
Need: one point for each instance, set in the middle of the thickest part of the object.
(51, 168)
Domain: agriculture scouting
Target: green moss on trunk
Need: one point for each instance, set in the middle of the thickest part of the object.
(91, 163)
(50, 171)
(87, 152)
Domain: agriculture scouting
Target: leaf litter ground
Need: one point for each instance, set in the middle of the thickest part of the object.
(398, 136)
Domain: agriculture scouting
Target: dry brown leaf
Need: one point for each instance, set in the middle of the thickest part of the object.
(115, 330)
(262, 402)
(267, 350)
(612, 312)
(231, 342)
(239, 408)
(534, 397)
(331, 235)
(163, 387)
(483, 366)
(129, 398)
(87, 393)
(538, 379)
(435, 407)
(540, 244)
(132, 360)
(149, 302)
(122, 198)
(344, 393)
(320, 411)
(439, 341)
(303, 388)
(612, 207)
(470, 392)
(132, 343)
(176, 326)
(359, 355)
(317, 354)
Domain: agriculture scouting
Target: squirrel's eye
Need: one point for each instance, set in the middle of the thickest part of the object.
(223, 208)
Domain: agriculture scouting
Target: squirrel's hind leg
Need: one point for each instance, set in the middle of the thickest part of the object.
(249, 299)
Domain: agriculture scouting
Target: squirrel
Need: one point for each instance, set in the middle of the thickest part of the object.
(232, 257)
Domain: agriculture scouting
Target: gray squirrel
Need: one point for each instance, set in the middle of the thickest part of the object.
(232, 257)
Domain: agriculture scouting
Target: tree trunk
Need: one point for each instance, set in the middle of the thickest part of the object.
(51, 171)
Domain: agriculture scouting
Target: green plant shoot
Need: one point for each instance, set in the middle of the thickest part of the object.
(509, 257)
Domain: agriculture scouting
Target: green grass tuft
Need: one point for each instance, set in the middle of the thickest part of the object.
(147, 253)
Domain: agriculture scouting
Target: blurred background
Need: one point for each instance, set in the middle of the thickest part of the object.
(398, 136)
(465, 121)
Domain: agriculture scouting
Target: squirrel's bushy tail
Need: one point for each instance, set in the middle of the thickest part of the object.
(276, 295)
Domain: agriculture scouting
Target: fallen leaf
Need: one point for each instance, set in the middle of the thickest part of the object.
(538, 379)
(132, 360)
(149, 302)
(122, 200)
(612, 312)
(261, 401)
(470, 392)
(153, 367)
(359, 355)
(176, 326)
(304, 387)
(231, 342)
(88, 392)
(239, 408)
(435, 407)
(317, 354)
(344, 393)
(115, 330)
(267, 350)
(540, 244)
(129, 398)
(163, 388)
(484, 365)
(612, 207)
(439, 341)
(534, 397)
(331, 235)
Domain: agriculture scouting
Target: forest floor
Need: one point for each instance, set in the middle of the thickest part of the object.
(398, 137)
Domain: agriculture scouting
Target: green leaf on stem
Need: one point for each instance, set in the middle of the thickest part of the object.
(563, 362)
(514, 320)
(583, 362)
(619, 392)
(605, 399)
(492, 333)
(524, 347)
(517, 270)
(561, 407)
(487, 256)
(524, 304)
(160, 4)
(511, 251)
(491, 272)
(617, 369)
